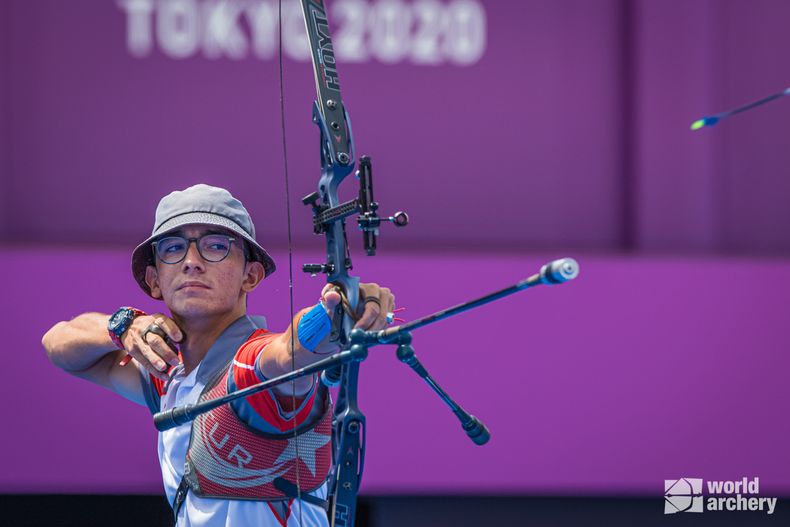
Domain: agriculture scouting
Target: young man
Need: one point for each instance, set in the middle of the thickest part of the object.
(239, 464)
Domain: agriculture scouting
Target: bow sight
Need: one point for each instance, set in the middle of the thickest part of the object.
(364, 205)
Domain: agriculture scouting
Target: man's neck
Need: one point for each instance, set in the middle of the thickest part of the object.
(201, 334)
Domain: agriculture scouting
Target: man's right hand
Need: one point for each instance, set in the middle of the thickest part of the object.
(153, 353)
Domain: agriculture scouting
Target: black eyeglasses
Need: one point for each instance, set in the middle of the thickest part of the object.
(212, 247)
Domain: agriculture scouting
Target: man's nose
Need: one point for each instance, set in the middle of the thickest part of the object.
(193, 258)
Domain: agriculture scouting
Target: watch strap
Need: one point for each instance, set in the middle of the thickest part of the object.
(119, 329)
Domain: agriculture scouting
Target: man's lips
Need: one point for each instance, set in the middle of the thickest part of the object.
(192, 284)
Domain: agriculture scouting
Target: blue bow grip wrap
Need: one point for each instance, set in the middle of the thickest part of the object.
(313, 327)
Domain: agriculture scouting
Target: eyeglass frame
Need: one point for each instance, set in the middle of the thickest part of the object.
(189, 241)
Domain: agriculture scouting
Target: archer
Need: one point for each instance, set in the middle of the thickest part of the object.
(201, 260)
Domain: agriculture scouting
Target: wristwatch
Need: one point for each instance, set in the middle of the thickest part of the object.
(120, 322)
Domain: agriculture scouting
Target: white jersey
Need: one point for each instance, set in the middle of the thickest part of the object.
(210, 512)
(196, 511)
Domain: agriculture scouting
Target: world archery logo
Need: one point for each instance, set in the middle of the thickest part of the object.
(683, 495)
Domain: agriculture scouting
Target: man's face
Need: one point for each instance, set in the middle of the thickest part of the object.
(195, 287)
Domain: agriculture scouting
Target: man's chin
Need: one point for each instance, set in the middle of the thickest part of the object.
(193, 308)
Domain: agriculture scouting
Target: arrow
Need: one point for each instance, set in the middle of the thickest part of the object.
(711, 120)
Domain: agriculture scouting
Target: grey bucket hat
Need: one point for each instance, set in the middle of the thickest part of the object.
(199, 204)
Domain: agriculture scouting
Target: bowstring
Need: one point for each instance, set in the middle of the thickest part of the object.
(290, 255)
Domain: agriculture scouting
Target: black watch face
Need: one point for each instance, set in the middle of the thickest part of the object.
(119, 318)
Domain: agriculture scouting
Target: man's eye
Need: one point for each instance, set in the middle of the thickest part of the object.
(216, 244)
(173, 248)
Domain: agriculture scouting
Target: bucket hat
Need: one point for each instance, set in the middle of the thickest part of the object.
(200, 204)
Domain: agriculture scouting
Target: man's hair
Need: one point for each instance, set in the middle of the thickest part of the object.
(245, 247)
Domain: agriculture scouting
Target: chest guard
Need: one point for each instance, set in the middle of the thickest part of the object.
(228, 459)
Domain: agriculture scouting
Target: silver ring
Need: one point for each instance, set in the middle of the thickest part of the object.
(154, 328)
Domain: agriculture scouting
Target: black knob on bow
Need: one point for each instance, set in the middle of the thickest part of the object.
(477, 431)
(399, 219)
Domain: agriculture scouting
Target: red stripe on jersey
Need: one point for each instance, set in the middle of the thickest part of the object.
(158, 383)
(266, 403)
(283, 522)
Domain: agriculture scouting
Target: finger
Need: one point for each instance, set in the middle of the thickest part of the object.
(329, 287)
(170, 327)
(381, 320)
(368, 290)
(369, 316)
(162, 348)
(145, 363)
(331, 299)
(151, 357)
(387, 300)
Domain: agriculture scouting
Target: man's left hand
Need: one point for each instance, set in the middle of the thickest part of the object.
(375, 302)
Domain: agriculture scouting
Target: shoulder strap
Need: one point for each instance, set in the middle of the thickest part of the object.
(281, 484)
(290, 490)
(181, 496)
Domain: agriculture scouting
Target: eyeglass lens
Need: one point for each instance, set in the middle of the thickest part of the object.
(212, 247)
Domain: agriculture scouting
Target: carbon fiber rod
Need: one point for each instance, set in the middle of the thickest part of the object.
(554, 272)
(183, 414)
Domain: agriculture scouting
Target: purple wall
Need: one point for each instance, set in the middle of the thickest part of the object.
(639, 371)
(725, 189)
(5, 123)
(677, 196)
(756, 179)
(537, 120)
(569, 133)
(575, 116)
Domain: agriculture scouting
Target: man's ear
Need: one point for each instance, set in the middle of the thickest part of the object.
(152, 280)
(254, 273)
